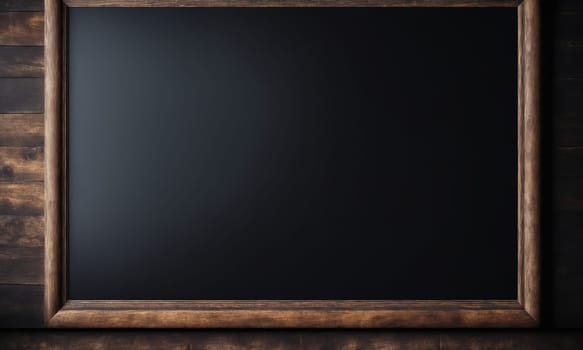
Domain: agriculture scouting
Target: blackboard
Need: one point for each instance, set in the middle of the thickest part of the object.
(292, 153)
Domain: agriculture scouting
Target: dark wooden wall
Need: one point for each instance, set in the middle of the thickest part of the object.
(21, 211)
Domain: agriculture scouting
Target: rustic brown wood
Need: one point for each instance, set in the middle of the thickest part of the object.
(21, 199)
(520, 156)
(21, 164)
(291, 314)
(21, 28)
(290, 3)
(54, 235)
(566, 277)
(21, 5)
(22, 130)
(21, 95)
(21, 249)
(330, 339)
(529, 150)
(21, 265)
(521, 340)
(22, 231)
(18, 61)
(20, 307)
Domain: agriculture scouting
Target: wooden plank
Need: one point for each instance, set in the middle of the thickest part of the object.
(21, 5)
(54, 293)
(20, 307)
(22, 231)
(566, 284)
(287, 3)
(21, 164)
(568, 194)
(21, 249)
(21, 265)
(21, 95)
(224, 340)
(21, 28)
(25, 199)
(21, 61)
(540, 341)
(22, 130)
(529, 149)
(291, 314)
(283, 340)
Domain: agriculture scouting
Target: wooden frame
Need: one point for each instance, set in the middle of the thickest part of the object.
(62, 312)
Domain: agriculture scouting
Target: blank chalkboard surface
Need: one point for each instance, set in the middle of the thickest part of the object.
(292, 153)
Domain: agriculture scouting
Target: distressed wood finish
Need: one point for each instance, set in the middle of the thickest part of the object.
(21, 61)
(291, 314)
(291, 3)
(53, 153)
(21, 164)
(60, 312)
(22, 130)
(21, 95)
(529, 162)
(284, 340)
(21, 28)
(21, 5)
(20, 307)
(21, 199)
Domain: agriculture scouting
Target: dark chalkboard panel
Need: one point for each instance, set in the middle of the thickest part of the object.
(292, 153)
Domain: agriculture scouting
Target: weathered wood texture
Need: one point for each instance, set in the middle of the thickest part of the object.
(291, 314)
(21, 28)
(191, 340)
(19, 61)
(26, 130)
(20, 307)
(21, 164)
(529, 157)
(562, 26)
(21, 95)
(21, 199)
(21, 5)
(53, 263)
(286, 3)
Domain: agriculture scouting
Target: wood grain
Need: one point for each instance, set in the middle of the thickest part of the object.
(566, 306)
(21, 95)
(20, 307)
(21, 61)
(24, 199)
(517, 340)
(21, 164)
(529, 150)
(21, 28)
(22, 231)
(292, 3)
(21, 249)
(285, 314)
(54, 237)
(21, 5)
(22, 130)
(283, 340)
(20, 265)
